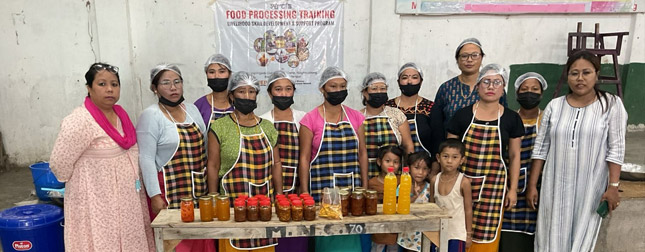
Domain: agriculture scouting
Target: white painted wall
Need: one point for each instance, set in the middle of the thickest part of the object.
(47, 47)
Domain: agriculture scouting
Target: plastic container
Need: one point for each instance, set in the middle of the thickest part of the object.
(403, 204)
(43, 177)
(34, 228)
(389, 192)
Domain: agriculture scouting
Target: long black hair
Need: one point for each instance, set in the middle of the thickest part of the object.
(602, 95)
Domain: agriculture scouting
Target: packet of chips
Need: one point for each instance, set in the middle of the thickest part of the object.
(331, 208)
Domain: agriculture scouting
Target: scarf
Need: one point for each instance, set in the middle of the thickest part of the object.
(130, 137)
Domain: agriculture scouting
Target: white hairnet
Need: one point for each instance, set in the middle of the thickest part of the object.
(411, 65)
(217, 59)
(473, 41)
(493, 69)
(240, 79)
(279, 75)
(331, 73)
(164, 66)
(530, 75)
(372, 78)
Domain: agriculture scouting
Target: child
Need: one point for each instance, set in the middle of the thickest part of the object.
(448, 189)
(388, 156)
(419, 169)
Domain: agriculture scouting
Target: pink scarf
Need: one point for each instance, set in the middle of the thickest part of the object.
(130, 137)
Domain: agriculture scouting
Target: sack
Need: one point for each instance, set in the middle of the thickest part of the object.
(331, 208)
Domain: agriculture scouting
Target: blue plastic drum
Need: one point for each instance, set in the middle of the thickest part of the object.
(34, 228)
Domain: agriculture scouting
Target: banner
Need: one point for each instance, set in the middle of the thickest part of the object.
(301, 38)
(430, 7)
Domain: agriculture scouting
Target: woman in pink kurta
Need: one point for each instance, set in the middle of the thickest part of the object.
(96, 155)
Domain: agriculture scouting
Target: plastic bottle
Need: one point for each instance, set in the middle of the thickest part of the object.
(403, 206)
(389, 192)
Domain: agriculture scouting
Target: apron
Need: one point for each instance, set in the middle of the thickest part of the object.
(250, 175)
(185, 174)
(216, 114)
(486, 169)
(412, 121)
(289, 152)
(522, 218)
(336, 162)
(378, 132)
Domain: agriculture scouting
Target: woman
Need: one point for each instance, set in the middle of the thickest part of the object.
(384, 125)
(580, 146)
(243, 152)
(172, 153)
(216, 104)
(518, 227)
(96, 155)
(492, 135)
(331, 154)
(287, 122)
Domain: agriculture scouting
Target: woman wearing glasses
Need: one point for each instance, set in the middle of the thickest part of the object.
(492, 135)
(172, 154)
(96, 155)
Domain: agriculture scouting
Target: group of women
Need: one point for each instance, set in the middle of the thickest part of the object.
(219, 145)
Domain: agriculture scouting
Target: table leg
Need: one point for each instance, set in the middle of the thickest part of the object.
(158, 239)
(425, 243)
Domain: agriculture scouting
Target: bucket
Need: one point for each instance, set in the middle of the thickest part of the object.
(33, 228)
(43, 177)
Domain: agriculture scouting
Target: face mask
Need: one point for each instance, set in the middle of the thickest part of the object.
(167, 102)
(377, 99)
(218, 84)
(282, 102)
(529, 100)
(245, 106)
(335, 98)
(410, 90)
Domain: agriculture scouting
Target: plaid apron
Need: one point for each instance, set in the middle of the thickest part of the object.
(412, 121)
(215, 114)
(378, 132)
(289, 153)
(522, 218)
(487, 171)
(336, 163)
(251, 175)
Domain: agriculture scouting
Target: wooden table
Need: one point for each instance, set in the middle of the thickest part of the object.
(422, 217)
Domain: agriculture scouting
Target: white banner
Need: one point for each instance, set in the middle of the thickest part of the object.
(301, 38)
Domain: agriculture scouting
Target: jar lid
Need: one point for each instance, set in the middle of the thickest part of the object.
(297, 203)
(371, 191)
(343, 192)
(222, 197)
(265, 203)
(206, 198)
(284, 203)
(239, 203)
(357, 193)
(252, 202)
(243, 196)
(187, 199)
(30, 216)
(310, 202)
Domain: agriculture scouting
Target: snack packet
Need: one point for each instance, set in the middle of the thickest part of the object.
(330, 205)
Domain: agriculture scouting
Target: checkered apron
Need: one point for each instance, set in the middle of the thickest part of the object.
(522, 218)
(487, 171)
(336, 163)
(289, 153)
(216, 114)
(378, 132)
(251, 175)
(412, 121)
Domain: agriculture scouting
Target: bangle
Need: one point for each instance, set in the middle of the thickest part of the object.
(615, 184)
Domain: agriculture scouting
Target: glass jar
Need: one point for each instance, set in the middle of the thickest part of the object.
(187, 210)
(214, 203)
(223, 208)
(206, 208)
(284, 211)
(265, 210)
(358, 203)
(310, 210)
(344, 202)
(239, 211)
(252, 210)
(371, 202)
(296, 210)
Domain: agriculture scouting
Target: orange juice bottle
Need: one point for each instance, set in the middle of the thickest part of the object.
(403, 206)
(389, 192)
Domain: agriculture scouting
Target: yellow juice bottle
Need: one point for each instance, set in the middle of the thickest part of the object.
(389, 192)
(403, 206)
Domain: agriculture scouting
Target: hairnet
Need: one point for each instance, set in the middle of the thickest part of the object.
(217, 59)
(331, 73)
(410, 65)
(164, 66)
(279, 75)
(239, 79)
(493, 69)
(531, 75)
(372, 78)
(473, 41)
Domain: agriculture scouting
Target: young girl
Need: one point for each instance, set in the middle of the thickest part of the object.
(388, 156)
(419, 163)
(448, 189)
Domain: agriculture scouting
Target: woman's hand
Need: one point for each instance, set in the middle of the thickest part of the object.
(532, 197)
(612, 197)
(157, 203)
(469, 241)
(511, 199)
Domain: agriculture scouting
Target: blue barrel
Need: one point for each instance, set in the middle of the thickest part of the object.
(33, 228)
(43, 177)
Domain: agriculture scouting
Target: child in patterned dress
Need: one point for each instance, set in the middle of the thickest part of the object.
(419, 169)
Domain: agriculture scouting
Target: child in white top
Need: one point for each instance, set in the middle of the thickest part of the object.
(419, 163)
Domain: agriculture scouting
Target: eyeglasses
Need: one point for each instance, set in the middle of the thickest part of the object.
(168, 83)
(496, 83)
(109, 68)
(474, 56)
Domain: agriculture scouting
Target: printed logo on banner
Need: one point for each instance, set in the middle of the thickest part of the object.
(21, 245)
(301, 38)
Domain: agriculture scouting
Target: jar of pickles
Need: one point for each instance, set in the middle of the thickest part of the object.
(296, 210)
(239, 211)
(214, 204)
(187, 210)
(344, 202)
(265, 210)
(358, 203)
(310, 210)
(371, 202)
(223, 208)
(252, 210)
(206, 208)
(284, 211)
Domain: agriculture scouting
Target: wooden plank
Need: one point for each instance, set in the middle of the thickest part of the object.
(159, 239)
(632, 189)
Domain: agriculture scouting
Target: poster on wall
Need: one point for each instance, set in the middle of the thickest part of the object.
(301, 38)
(430, 7)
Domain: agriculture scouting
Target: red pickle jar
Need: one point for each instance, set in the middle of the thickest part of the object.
(265, 210)
(252, 210)
(284, 211)
(297, 210)
(310, 210)
(239, 212)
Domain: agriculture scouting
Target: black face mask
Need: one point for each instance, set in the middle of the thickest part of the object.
(282, 102)
(335, 98)
(410, 90)
(376, 100)
(167, 102)
(245, 106)
(529, 100)
(218, 84)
